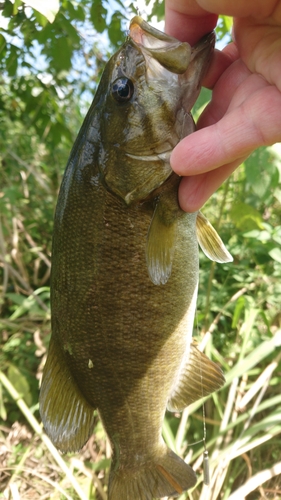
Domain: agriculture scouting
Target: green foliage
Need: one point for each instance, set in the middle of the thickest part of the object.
(48, 75)
(223, 29)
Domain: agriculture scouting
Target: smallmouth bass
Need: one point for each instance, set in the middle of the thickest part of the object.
(125, 270)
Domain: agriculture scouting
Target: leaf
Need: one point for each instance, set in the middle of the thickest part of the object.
(228, 23)
(16, 298)
(49, 8)
(2, 42)
(115, 33)
(102, 464)
(42, 20)
(158, 10)
(12, 61)
(240, 304)
(70, 30)
(275, 254)
(277, 194)
(76, 12)
(28, 304)
(80, 13)
(261, 173)
(254, 357)
(245, 217)
(258, 235)
(98, 16)
(20, 383)
(201, 103)
(276, 236)
(17, 3)
(62, 53)
(58, 130)
(8, 9)
(223, 29)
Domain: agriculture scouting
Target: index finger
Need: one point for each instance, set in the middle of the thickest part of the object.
(187, 21)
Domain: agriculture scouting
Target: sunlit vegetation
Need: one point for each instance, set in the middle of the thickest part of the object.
(48, 74)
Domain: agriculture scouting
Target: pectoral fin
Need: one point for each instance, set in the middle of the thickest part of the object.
(199, 378)
(210, 242)
(162, 234)
(67, 417)
(160, 245)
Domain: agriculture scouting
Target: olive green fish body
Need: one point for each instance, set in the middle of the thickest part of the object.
(125, 272)
(113, 325)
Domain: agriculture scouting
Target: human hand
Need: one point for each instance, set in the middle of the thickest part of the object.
(245, 110)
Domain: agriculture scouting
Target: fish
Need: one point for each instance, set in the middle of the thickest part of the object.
(124, 275)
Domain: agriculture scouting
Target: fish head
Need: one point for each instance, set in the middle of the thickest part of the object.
(144, 99)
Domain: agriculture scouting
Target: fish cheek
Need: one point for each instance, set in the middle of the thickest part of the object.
(137, 161)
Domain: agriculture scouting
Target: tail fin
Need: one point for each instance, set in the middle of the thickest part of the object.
(164, 475)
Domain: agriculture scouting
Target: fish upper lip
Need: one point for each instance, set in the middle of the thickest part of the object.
(138, 27)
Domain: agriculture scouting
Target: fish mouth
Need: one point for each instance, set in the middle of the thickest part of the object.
(160, 48)
(169, 59)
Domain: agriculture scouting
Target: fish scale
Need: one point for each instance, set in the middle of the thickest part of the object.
(125, 270)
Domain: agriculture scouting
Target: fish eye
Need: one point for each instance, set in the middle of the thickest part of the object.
(122, 89)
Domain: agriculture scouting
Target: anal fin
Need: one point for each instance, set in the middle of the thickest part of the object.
(199, 377)
(67, 417)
